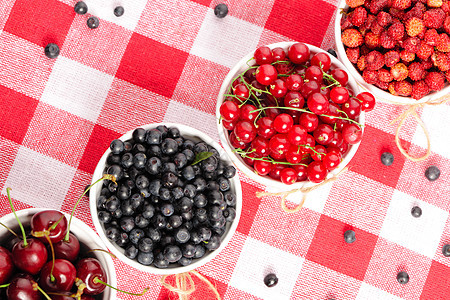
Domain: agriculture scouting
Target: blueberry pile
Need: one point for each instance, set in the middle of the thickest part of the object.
(172, 198)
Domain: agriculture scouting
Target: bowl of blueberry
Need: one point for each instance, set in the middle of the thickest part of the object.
(176, 200)
(290, 116)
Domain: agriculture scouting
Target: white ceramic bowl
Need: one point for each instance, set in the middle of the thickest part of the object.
(377, 92)
(84, 233)
(225, 139)
(196, 136)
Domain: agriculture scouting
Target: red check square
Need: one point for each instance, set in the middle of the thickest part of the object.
(7, 156)
(289, 17)
(16, 111)
(40, 22)
(250, 204)
(6, 209)
(437, 285)
(349, 259)
(152, 65)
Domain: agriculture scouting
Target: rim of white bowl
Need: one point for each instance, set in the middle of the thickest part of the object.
(239, 162)
(85, 235)
(377, 92)
(185, 131)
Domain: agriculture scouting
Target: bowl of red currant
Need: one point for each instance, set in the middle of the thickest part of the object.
(289, 115)
(175, 202)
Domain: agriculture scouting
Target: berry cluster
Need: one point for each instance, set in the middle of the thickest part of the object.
(172, 199)
(291, 116)
(401, 46)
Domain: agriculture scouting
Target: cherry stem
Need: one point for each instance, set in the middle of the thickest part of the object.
(268, 159)
(106, 176)
(18, 221)
(52, 278)
(9, 229)
(96, 280)
(101, 250)
(37, 287)
(4, 285)
(56, 224)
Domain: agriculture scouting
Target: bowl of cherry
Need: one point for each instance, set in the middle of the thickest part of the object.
(176, 201)
(289, 115)
(28, 268)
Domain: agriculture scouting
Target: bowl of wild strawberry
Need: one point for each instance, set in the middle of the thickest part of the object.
(176, 200)
(289, 115)
(26, 263)
(398, 50)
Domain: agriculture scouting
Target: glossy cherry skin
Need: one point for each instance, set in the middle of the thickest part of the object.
(246, 113)
(283, 123)
(229, 110)
(67, 249)
(64, 273)
(367, 101)
(309, 87)
(278, 54)
(260, 146)
(262, 167)
(316, 172)
(43, 220)
(6, 265)
(314, 73)
(298, 53)
(21, 288)
(265, 127)
(323, 134)
(294, 100)
(87, 270)
(340, 75)
(31, 258)
(288, 176)
(67, 296)
(332, 160)
(279, 144)
(266, 74)
(352, 134)
(301, 172)
(352, 108)
(322, 60)
(309, 121)
(263, 55)
(276, 170)
(294, 82)
(237, 143)
(297, 135)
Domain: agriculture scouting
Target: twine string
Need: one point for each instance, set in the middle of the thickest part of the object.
(184, 284)
(304, 190)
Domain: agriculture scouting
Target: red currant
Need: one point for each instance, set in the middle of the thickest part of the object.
(263, 55)
(309, 88)
(322, 60)
(352, 108)
(279, 144)
(317, 103)
(314, 73)
(236, 143)
(297, 135)
(294, 82)
(309, 121)
(340, 124)
(336, 140)
(241, 91)
(245, 131)
(265, 127)
(367, 101)
(266, 74)
(262, 167)
(237, 81)
(276, 170)
(332, 112)
(301, 172)
(323, 134)
(340, 76)
(246, 113)
(339, 95)
(278, 54)
(319, 153)
(332, 160)
(324, 90)
(260, 146)
(229, 111)
(249, 159)
(250, 75)
(316, 172)
(352, 134)
(294, 100)
(298, 53)
(229, 125)
(294, 155)
(278, 88)
(310, 143)
(283, 123)
(272, 113)
(343, 148)
(288, 176)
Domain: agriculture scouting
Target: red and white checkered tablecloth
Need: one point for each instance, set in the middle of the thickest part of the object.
(164, 60)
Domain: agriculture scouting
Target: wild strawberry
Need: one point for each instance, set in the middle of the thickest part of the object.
(446, 7)
(407, 56)
(352, 38)
(416, 71)
(401, 4)
(372, 40)
(435, 81)
(378, 5)
(384, 19)
(345, 23)
(443, 44)
(431, 37)
(369, 21)
(384, 75)
(403, 88)
(447, 24)
(434, 3)
(386, 41)
(411, 44)
(364, 50)
(441, 61)
(419, 90)
(376, 28)
(391, 88)
(374, 60)
(414, 26)
(391, 58)
(397, 13)
(352, 54)
(369, 76)
(427, 64)
(399, 71)
(358, 16)
(361, 64)
(447, 76)
(417, 11)
(434, 18)
(424, 51)
(382, 85)
(354, 3)
(396, 31)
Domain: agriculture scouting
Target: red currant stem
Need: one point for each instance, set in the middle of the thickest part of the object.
(253, 67)
(312, 149)
(52, 278)
(4, 285)
(251, 87)
(10, 230)
(334, 126)
(101, 250)
(36, 287)
(280, 62)
(268, 159)
(96, 280)
(343, 112)
(328, 86)
(256, 119)
(331, 78)
(249, 61)
(284, 75)
(106, 176)
(18, 221)
(357, 99)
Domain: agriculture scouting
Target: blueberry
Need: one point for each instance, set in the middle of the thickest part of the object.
(416, 212)
(196, 237)
(169, 180)
(349, 236)
(209, 165)
(224, 184)
(160, 221)
(200, 183)
(127, 223)
(270, 280)
(141, 222)
(387, 158)
(180, 160)
(105, 192)
(221, 204)
(135, 235)
(402, 277)
(215, 197)
(112, 233)
(332, 52)
(200, 147)
(184, 261)
(139, 160)
(127, 208)
(161, 262)
(212, 186)
(230, 198)
(229, 213)
(164, 130)
(188, 144)
(188, 225)
(51, 50)
(175, 221)
(200, 200)
(188, 250)
(154, 150)
(199, 251)
(118, 11)
(153, 165)
(80, 8)
(201, 215)
(136, 201)
(116, 171)
(220, 168)
(177, 193)
(432, 173)
(190, 156)
(127, 146)
(185, 204)
(215, 213)
(172, 253)
(93, 22)
(133, 172)
(182, 235)
(123, 239)
(131, 251)
(145, 258)
(116, 146)
(221, 10)
(205, 233)
(229, 172)
(112, 187)
(187, 216)
(167, 209)
(112, 203)
(188, 173)
(101, 201)
(197, 170)
(123, 192)
(139, 135)
(219, 223)
(154, 234)
(210, 175)
(446, 250)
(190, 191)
(138, 148)
(167, 240)
(142, 182)
(127, 160)
(169, 146)
(165, 194)
(220, 231)
(153, 137)
(174, 132)
(169, 167)
(179, 141)
(154, 187)
(145, 244)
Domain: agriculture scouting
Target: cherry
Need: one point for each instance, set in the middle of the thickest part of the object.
(229, 125)
(260, 146)
(288, 176)
(263, 55)
(265, 127)
(63, 276)
(317, 103)
(241, 91)
(29, 257)
(283, 123)
(246, 113)
(314, 73)
(316, 172)
(237, 143)
(266, 74)
(250, 75)
(332, 114)
(352, 108)
(322, 60)
(309, 121)
(245, 131)
(22, 287)
(278, 88)
(301, 172)
(262, 167)
(339, 95)
(352, 134)
(319, 153)
(278, 54)
(323, 134)
(294, 82)
(91, 273)
(297, 135)
(42, 224)
(279, 144)
(294, 100)
(276, 170)
(298, 53)
(332, 160)
(367, 101)
(6, 265)
(340, 75)
(294, 155)
(68, 296)
(309, 87)
(229, 111)
(67, 249)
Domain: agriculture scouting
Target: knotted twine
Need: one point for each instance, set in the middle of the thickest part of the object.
(303, 190)
(185, 286)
